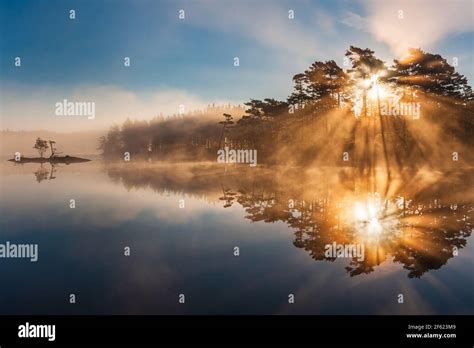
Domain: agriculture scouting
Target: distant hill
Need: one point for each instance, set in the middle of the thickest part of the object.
(73, 143)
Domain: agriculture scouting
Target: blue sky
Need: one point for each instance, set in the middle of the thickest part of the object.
(193, 58)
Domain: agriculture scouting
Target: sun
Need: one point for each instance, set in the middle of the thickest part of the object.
(378, 91)
(375, 89)
(371, 91)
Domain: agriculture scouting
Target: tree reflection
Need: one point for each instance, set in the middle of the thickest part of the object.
(42, 173)
(420, 225)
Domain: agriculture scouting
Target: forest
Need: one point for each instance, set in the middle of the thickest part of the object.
(419, 108)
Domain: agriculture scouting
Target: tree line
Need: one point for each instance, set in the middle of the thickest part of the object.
(328, 105)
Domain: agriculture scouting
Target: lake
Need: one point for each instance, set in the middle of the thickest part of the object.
(235, 240)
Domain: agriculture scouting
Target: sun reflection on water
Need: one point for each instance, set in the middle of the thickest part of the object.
(373, 218)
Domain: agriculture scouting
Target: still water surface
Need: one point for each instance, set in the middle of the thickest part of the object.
(280, 219)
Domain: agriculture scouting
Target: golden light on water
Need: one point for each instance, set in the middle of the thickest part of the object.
(372, 218)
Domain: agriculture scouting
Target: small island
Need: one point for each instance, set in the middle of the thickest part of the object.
(42, 146)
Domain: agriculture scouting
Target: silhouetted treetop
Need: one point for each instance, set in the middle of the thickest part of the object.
(430, 73)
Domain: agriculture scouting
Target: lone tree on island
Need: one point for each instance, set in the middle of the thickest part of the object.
(41, 146)
(53, 149)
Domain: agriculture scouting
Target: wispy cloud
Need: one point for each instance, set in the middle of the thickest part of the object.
(355, 21)
(267, 23)
(28, 109)
(414, 23)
